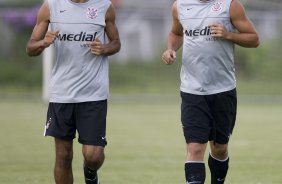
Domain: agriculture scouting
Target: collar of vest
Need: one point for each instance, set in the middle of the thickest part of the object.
(206, 0)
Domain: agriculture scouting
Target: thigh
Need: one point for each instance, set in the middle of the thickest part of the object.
(195, 117)
(60, 121)
(91, 123)
(224, 114)
(63, 149)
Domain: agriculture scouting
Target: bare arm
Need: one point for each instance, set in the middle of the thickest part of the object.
(111, 30)
(246, 36)
(175, 38)
(40, 38)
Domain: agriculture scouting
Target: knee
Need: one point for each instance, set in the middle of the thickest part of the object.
(196, 151)
(94, 159)
(220, 152)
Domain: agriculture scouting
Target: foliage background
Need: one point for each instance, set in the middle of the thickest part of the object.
(258, 70)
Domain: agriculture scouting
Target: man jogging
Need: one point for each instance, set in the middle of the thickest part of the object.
(79, 30)
(208, 30)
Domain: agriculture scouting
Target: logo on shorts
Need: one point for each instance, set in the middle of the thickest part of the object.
(217, 6)
(92, 13)
(220, 179)
(48, 123)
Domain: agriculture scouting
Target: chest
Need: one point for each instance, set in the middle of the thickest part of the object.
(66, 13)
(197, 10)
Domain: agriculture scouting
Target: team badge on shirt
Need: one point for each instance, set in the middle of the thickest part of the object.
(92, 13)
(217, 6)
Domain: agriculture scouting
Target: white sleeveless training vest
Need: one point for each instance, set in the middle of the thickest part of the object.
(207, 63)
(77, 74)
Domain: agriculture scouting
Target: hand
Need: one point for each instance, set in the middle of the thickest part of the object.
(49, 38)
(97, 47)
(169, 56)
(218, 31)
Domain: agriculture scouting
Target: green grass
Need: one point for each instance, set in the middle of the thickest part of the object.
(145, 143)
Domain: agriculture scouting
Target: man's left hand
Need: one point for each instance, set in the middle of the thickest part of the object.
(218, 31)
(97, 47)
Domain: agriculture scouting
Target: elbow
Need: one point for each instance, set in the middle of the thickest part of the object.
(256, 43)
(113, 49)
(32, 49)
(29, 53)
(28, 49)
(32, 55)
(118, 47)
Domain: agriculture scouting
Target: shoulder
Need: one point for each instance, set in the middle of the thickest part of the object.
(174, 5)
(110, 13)
(174, 9)
(44, 12)
(236, 5)
(236, 9)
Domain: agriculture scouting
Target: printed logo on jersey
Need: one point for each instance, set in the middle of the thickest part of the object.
(82, 36)
(198, 32)
(92, 13)
(204, 32)
(217, 6)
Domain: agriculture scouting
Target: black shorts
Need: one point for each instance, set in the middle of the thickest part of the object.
(87, 118)
(208, 117)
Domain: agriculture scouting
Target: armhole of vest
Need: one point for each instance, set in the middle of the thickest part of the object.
(50, 9)
(229, 7)
(108, 6)
(106, 10)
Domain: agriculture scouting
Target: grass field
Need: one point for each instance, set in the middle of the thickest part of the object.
(145, 143)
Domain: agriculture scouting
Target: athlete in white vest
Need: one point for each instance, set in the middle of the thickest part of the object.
(207, 30)
(83, 33)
